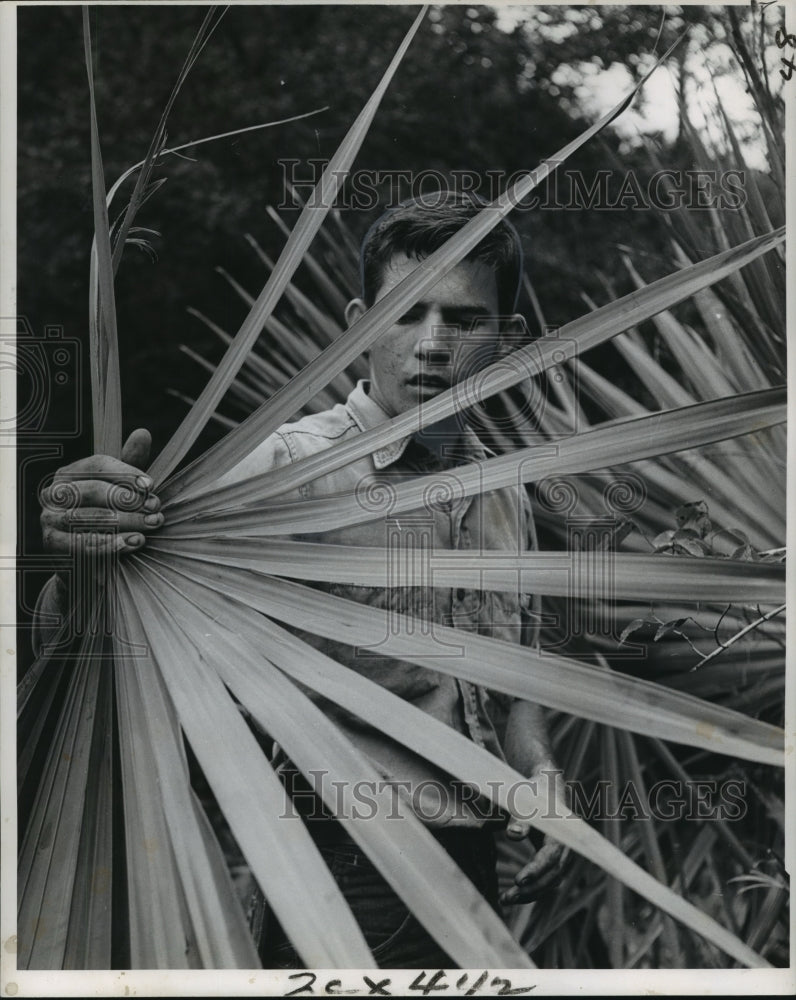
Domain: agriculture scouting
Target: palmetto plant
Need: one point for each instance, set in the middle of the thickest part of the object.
(645, 499)
(176, 639)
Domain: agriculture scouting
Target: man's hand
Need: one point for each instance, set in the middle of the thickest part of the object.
(102, 504)
(541, 875)
(527, 749)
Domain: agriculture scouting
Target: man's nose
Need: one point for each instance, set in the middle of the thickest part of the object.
(435, 340)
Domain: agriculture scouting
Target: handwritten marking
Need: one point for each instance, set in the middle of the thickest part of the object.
(783, 39)
(307, 987)
(432, 984)
(379, 988)
(426, 983)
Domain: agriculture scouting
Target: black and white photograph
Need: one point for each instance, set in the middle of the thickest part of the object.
(394, 467)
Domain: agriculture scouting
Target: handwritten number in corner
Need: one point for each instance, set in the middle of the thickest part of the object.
(432, 984)
(506, 989)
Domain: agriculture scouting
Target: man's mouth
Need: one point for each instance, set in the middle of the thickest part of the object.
(428, 381)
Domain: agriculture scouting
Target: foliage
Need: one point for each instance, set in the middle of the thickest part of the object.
(193, 582)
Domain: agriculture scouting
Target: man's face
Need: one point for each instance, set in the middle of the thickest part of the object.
(434, 344)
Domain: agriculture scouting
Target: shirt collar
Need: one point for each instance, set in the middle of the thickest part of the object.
(367, 414)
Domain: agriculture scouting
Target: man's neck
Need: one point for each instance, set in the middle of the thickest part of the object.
(444, 438)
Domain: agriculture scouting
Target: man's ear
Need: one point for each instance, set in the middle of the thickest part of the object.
(354, 310)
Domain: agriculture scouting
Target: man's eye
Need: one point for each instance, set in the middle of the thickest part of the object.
(411, 316)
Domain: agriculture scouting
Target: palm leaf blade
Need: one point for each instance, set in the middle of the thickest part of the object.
(106, 388)
(550, 680)
(194, 867)
(455, 913)
(633, 576)
(614, 443)
(278, 848)
(470, 763)
(88, 939)
(159, 925)
(50, 848)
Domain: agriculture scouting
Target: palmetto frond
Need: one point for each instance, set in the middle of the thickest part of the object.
(196, 631)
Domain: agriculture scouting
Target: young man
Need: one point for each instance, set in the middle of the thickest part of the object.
(453, 331)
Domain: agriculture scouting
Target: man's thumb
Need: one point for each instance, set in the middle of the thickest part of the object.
(136, 448)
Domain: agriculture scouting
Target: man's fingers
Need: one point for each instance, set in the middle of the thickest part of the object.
(541, 881)
(115, 497)
(541, 875)
(92, 543)
(513, 896)
(103, 467)
(136, 448)
(88, 519)
(101, 505)
(547, 861)
(524, 893)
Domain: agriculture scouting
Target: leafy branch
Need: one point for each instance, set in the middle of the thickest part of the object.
(739, 635)
(697, 536)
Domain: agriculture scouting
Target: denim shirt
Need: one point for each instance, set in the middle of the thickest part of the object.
(497, 519)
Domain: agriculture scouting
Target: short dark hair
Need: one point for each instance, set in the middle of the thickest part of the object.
(419, 226)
